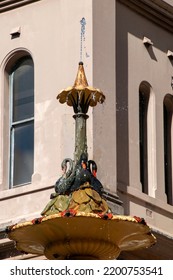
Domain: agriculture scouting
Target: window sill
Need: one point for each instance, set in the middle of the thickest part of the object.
(148, 200)
(22, 190)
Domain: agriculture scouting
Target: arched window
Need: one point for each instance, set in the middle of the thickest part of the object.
(168, 130)
(21, 87)
(143, 110)
(147, 139)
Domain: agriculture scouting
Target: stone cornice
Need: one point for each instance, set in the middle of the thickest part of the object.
(158, 11)
(7, 5)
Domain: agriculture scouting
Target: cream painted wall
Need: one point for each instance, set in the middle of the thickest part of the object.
(116, 61)
(137, 63)
(50, 32)
(104, 117)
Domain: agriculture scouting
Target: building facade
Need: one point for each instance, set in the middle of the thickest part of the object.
(127, 50)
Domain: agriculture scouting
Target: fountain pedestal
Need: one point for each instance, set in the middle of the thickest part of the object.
(77, 223)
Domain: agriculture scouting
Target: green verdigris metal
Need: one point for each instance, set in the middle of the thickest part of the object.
(80, 136)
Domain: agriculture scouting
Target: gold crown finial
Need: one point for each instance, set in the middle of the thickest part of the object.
(81, 80)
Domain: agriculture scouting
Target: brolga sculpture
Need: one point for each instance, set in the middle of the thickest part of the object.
(77, 222)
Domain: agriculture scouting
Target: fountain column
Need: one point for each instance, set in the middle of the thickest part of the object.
(80, 136)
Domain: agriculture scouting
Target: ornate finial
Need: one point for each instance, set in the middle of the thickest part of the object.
(81, 96)
(81, 80)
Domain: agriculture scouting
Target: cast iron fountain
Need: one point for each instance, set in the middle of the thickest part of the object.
(77, 223)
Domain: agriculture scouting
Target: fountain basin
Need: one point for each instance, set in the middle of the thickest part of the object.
(70, 235)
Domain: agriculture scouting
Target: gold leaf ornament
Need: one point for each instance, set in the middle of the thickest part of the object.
(104, 206)
(80, 196)
(93, 194)
(85, 208)
(62, 202)
(48, 206)
(95, 206)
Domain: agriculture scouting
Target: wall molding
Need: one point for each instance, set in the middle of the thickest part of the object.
(158, 11)
(7, 5)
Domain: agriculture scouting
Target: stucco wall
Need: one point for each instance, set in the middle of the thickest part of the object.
(51, 33)
(137, 63)
(104, 117)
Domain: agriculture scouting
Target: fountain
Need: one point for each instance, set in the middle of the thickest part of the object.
(77, 222)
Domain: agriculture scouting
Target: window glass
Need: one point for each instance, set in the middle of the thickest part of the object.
(143, 110)
(167, 114)
(23, 153)
(23, 94)
(22, 122)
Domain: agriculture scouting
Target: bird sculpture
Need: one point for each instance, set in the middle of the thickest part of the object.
(95, 183)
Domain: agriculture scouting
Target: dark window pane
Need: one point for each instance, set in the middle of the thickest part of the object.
(143, 127)
(167, 114)
(23, 153)
(23, 91)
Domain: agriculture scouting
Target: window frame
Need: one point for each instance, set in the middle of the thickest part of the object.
(143, 139)
(16, 124)
(168, 148)
(150, 185)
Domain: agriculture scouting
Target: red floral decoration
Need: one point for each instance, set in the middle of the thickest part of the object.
(37, 220)
(68, 213)
(107, 216)
(140, 220)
